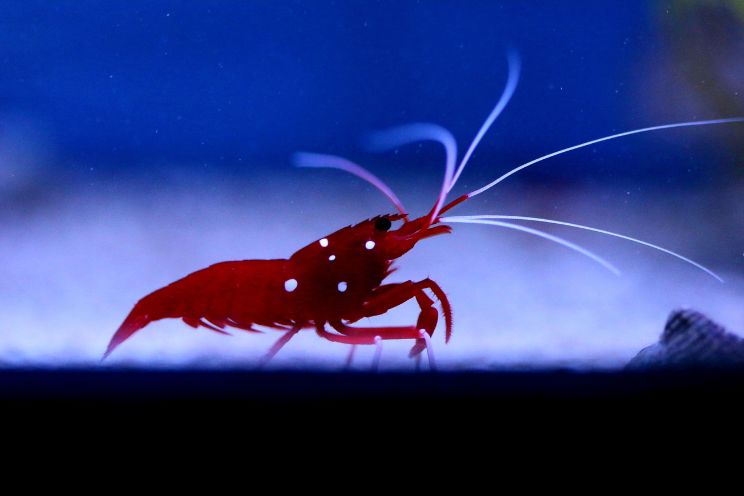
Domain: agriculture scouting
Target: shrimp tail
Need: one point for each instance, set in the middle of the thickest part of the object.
(159, 304)
(136, 320)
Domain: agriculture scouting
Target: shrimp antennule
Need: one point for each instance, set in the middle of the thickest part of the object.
(411, 133)
(421, 131)
(506, 95)
(317, 160)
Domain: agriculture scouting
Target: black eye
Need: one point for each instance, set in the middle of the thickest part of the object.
(383, 224)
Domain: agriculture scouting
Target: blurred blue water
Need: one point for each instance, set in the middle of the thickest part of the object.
(126, 83)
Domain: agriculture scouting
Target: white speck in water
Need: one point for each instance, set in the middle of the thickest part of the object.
(342, 286)
(332, 258)
(369, 245)
(323, 242)
(290, 285)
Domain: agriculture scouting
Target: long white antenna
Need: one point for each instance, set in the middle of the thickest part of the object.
(599, 140)
(464, 218)
(604, 263)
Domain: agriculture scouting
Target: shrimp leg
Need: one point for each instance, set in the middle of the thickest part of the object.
(392, 295)
(279, 344)
(374, 335)
(365, 335)
(350, 357)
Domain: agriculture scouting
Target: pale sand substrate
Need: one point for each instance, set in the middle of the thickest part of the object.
(72, 269)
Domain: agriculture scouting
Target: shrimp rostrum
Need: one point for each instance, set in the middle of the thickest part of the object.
(337, 280)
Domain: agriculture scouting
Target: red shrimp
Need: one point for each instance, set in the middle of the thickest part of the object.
(338, 280)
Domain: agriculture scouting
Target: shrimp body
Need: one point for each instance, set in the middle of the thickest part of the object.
(336, 279)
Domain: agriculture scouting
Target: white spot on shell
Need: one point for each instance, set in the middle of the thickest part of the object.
(332, 258)
(369, 245)
(290, 285)
(323, 242)
(342, 286)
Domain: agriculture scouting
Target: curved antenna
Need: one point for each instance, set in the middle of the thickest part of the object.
(587, 228)
(599, 140)
(604, 263)
(421, 131)
(511, 85)
(317, 160)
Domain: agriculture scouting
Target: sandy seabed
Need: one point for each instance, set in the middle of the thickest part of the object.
(75, 263)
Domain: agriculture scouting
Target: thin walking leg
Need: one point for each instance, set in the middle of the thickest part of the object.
(350, 357)
(429, 350)
(278, 345)
(378, 354)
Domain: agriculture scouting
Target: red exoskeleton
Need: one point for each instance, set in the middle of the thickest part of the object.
(338, 280)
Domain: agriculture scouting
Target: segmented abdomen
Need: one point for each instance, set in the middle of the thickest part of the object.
(245, 292)
(237, 294)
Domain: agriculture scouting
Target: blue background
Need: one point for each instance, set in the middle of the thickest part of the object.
(218, 84)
